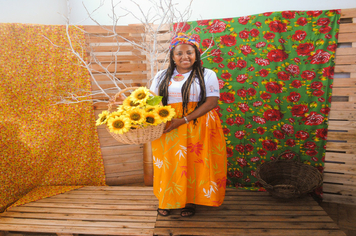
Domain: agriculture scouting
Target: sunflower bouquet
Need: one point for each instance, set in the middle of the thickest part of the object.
(140, 115)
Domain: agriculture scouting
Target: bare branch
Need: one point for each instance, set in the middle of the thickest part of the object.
(157, 21)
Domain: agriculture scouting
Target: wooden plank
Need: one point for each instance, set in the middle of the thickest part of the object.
(342, 114)
(84, 211)
(75, 229)
(118, 67)
(341, 136)
(342, 125)
(111, 85)
(111, 48)
(107, 141)
(347, 28)
(344, 91)
(343, 60)
(344, 82)
(100, 201)
(343, 106)
(348, 13)
(39, 204)
(108, 29)
(121, 149)
(127, 180)
(342, 147)
(89, 224)
(92, 38)
(103, 133)
(347, 37)
(347, 179)
(347, 190)
(126, 76)
(113, 218)
(120, 58)
(340, 168)
(125, 166)
(245, 225)
(135, 157)
(341, 157)
(345, 68)
(345, 51)
(247, 218)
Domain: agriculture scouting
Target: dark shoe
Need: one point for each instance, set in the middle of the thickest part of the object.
(164, 212)
(188, 211)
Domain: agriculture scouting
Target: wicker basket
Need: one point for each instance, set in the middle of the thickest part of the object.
(136, 136)
(288, 178)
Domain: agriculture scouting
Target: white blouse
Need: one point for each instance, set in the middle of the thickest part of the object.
(175, 86)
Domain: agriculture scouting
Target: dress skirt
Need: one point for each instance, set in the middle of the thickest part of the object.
(190, 162)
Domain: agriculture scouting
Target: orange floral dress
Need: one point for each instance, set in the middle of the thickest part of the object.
(190, 162)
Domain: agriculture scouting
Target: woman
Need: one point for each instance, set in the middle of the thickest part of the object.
(190, 157)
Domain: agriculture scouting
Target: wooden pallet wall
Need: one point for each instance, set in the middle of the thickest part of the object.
(123, 163)
(340, 159)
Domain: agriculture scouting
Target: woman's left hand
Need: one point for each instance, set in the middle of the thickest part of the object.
(173, 124)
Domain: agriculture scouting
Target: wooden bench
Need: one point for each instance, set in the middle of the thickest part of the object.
(122, 210)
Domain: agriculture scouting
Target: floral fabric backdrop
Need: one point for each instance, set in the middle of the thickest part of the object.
(45, 149)
(275, 72)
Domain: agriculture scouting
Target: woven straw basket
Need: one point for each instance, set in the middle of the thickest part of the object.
(288, 178)
(136, 136)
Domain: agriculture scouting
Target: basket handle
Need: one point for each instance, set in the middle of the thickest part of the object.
(286, 152)
(112, 101)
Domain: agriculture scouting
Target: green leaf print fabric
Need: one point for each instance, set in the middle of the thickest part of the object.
(275, 73)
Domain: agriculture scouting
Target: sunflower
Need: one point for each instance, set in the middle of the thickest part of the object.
(152, 118)
(103, 118)
(166, 113)
(119, 125)
(121, 109)
(130, 103)
(115, 114)
(136, 115)
(149, 108)
(140, 95)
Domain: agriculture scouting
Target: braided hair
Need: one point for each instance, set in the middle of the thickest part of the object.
(197, 72)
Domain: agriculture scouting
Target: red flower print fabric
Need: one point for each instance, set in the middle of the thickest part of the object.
(275, 74)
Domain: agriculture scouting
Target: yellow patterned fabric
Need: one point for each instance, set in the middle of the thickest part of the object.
(45, 148)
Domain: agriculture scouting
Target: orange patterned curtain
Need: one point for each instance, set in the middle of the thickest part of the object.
(45, 148)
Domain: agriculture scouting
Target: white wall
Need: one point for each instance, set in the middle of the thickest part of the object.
(49, 11)
(32, 11)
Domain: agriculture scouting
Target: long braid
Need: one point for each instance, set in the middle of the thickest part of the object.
(165, 79)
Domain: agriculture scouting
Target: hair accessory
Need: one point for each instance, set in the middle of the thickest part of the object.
(181, 38)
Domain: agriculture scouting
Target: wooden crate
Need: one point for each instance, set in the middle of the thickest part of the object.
(340, 160)
(123, 163)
